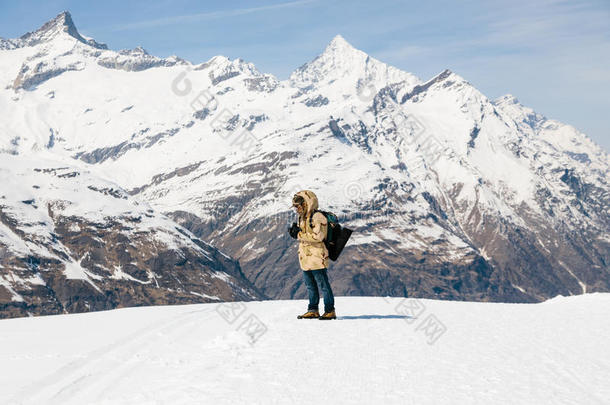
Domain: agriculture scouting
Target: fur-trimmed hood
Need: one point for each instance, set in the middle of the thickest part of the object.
(311, 201)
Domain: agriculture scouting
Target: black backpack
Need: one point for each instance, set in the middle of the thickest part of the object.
(336, 236)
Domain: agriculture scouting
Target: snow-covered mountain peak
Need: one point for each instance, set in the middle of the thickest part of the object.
(447, 85)
(220, 68)
(448, 79)
(57, 47)
(237, 64)
(348, 70)
(577, 148)
(521, 114)
(339, 45)
(506, 99)
(137, 51)
(61, 25)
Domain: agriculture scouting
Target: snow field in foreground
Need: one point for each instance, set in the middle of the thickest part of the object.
(380, 350)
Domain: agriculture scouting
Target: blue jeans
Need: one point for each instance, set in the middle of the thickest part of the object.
(320, 276)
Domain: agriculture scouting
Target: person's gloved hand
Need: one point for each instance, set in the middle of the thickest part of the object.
(294, 230)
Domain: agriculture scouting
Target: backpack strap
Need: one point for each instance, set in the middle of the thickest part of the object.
(311, 218)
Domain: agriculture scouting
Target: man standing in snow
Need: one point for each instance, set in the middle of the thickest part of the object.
(311, 231)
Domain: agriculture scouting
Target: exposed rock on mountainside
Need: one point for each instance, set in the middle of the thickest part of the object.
(71, 242)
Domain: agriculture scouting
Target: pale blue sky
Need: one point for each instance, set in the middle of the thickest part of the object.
(554, 56)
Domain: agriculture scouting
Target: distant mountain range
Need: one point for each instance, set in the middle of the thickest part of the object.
(126, 175)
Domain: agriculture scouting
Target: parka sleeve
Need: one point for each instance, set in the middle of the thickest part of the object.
(318, 233)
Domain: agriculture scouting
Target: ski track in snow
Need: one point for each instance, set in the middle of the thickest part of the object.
(66, 384)
(550, 353)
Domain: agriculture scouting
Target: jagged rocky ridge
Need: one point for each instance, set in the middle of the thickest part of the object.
(60, 37)
(451, 195)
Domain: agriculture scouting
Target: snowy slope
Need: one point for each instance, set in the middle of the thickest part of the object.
(451, 195)
(380, 350)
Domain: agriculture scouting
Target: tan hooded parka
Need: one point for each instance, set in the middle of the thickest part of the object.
(313, 254)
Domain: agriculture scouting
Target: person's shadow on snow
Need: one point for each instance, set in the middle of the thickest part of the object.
(376, 317)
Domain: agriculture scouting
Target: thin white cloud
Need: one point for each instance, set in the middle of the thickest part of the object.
(558, 22)
(553, 29)
(181, 19)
